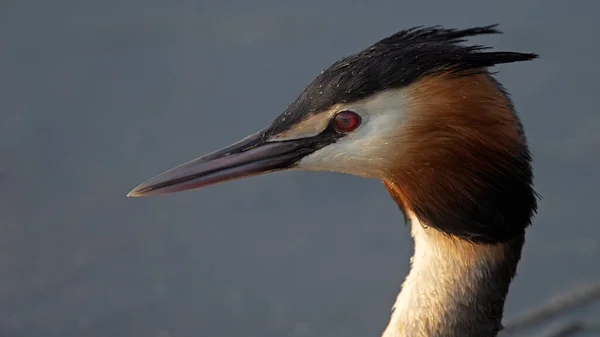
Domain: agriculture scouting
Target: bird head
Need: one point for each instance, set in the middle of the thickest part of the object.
(418, 110)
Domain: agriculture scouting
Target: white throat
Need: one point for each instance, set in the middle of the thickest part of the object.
(454, 288)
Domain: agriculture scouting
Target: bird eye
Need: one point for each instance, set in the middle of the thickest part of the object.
(346, 121)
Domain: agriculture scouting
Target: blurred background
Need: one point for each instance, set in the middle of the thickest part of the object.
(97, 96)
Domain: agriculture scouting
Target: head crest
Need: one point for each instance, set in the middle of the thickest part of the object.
(394, 62)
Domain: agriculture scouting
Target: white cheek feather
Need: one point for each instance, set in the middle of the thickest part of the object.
(363, 152)
(310, 127)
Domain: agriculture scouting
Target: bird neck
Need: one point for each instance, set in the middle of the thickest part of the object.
(455, 287)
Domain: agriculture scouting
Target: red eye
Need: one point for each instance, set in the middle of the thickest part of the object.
(346, 121)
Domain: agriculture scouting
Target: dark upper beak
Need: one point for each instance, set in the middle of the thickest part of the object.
(248, 157)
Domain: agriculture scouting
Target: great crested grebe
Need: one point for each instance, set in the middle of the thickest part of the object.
(421, 112)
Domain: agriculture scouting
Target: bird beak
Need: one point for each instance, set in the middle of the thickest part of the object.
(251, 156)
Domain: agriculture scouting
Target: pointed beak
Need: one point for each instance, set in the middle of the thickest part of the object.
(251, 156)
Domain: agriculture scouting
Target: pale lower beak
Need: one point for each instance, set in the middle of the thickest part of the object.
(249, 157)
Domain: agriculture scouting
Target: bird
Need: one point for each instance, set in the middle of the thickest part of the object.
(421, 111)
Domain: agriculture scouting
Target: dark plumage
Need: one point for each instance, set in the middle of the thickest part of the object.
(393, 62)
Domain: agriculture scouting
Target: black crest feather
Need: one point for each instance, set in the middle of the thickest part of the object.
(394, 62)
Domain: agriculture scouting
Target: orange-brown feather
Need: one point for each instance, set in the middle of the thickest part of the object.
(463, 158)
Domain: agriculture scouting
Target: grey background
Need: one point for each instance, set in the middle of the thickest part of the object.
(95, 97)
